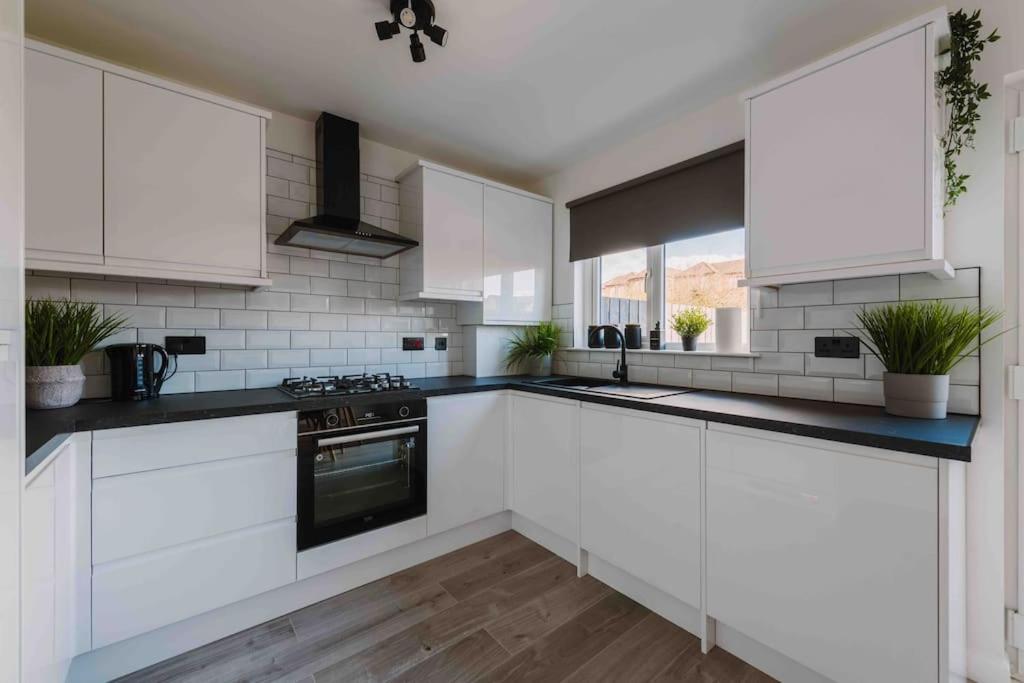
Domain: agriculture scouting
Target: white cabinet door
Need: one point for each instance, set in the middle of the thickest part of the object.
(183, 181)
(545, 462)
(640, 496)
(517, 259)
(453, 235)
(829, 557)
(143, 593)
(466, 463)
(63, 160)
(840, 164)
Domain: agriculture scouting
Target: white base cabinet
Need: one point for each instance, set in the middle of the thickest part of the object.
(826, 553)
(545, 462)
(640, 495)
(466, 461)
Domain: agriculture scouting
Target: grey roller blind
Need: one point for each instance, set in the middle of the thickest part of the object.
(699, 196)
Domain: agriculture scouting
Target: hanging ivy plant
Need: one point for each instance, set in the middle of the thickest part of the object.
(961, 95)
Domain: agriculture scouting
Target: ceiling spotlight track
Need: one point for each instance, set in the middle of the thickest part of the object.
(416, 16)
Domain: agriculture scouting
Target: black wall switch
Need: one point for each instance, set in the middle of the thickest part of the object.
(185, 346)
(836, 347)
(441, 344)
(412, 343)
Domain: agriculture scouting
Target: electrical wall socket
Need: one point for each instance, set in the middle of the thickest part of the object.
(836, 347)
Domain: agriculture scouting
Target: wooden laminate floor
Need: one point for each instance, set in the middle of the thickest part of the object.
(503, 609)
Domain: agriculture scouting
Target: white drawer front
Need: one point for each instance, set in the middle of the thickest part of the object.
(146, 511)
(138, 449)
(149, 591)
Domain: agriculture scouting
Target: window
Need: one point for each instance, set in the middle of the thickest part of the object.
(623, 297)
(703, 272)
(651, 285)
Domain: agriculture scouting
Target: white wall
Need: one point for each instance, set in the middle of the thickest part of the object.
(974, 237)
(11, 384)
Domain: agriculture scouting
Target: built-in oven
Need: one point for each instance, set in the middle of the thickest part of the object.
(360, 467)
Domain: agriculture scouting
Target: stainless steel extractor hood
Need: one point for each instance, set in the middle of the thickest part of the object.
(337, 226)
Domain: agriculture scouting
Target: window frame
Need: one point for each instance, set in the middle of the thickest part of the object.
(655, 286)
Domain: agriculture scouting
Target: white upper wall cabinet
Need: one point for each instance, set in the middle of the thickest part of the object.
(485, 245)
(183, 181)
(63, 159)
(136, 176)
(844, 173)
(517, 261)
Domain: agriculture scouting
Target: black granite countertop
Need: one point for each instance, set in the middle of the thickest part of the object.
(862, 425)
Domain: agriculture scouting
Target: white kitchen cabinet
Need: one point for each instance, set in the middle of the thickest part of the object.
(132, 175)
(466, 463)
(517, 261)
(204, 510)
(55, 562)
(640, 490)
(184, 181)
(844, 174)
(827, 553)
(444, 212)
(545, 462)
(63, 160)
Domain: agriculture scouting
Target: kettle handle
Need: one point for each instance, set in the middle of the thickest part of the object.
(158, 378)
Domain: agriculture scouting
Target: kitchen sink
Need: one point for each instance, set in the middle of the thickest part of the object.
(644, 392)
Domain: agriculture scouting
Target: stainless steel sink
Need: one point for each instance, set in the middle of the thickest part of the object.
(644, 392)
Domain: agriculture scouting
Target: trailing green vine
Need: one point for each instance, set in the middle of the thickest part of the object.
(961, 95)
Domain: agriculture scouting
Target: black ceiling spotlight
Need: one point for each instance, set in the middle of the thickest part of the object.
(416, 16)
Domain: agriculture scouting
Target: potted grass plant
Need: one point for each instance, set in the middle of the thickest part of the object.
(57, 335)
(532, 349)
(689, 324)
(918, 343)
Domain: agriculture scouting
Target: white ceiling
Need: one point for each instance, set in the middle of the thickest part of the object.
(524, 87)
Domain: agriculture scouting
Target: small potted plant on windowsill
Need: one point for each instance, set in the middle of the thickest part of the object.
(918, 343)
(689, 324)
(57, 335)
(532, 349)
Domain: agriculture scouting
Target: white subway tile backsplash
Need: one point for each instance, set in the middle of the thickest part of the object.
(966, 283)
(366, 290)
(278, 263)
(288, 358)
(381, 340)
(813, 388)
(780, 363)
(389, 324)
(347, 271)
(205, 361)
(208, 297)
(841, 317)
(180, 383)
(310, 303)
(54, 288)
(227, 380)
(307, 266)
(139, 316)
(764, 340)
(260, 379)
(754, 383)
(643, 373)
(267, 301)
(193, 317)
(165, 295)
(863, 391)
(732, 363)
(364, 356)
(343, 304)
(103, 291)
(328, 356)
(302, 339)
(693, 362)
(296, 284)
(800, 341)
(223, 339)
(867, 290)
(285, 320)
(967, 371)
(964, 399)
(381, 307)
(712, 379)
(834, 367)
(777, 318)
(806, 294)
(243, 360)
(364, 323)
(267, 339)
(277, 187)
(243, 320)
(676, 377)
(286, 208)
(279, 168)
(322, 285)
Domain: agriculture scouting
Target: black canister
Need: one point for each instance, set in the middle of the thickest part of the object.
(595, 337)
(634, 336)
(611, 340)
(655, 337)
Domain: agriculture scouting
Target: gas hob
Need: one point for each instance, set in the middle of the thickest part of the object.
(347, 385)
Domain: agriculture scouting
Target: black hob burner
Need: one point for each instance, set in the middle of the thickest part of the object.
(347, 385)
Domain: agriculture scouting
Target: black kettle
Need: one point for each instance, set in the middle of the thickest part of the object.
(133, 373)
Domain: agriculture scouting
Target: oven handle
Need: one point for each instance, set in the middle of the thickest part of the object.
(352, 438)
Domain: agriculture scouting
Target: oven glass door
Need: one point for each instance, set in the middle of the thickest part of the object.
(355, 480)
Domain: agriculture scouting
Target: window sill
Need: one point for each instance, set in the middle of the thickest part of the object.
(671, 352)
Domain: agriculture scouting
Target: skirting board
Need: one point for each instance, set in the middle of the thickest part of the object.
(130, 655)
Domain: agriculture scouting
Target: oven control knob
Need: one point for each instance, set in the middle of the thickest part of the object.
(403, 411)
(332, 419)
(319, 457)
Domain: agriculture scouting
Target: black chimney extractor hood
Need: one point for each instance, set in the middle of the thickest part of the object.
(336, 225)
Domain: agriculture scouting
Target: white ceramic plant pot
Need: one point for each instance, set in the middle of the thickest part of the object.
(916, 395)
(57, 386)
(539, 367)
